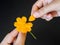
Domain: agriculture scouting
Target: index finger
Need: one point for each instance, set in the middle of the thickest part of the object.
(38, 4)
(10, 37)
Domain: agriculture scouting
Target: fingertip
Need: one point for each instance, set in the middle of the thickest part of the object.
(36, 15)
(14, 32)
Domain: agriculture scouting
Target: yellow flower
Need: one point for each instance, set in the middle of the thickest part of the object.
(32, 18)
(22, 25)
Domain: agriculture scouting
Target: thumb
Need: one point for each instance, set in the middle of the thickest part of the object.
(53, 6)
(20, 39)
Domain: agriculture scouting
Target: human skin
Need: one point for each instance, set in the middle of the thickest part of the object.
(46, 9)
(15, 38)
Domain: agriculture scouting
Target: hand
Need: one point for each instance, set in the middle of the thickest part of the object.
(46, 9)
(15, 38)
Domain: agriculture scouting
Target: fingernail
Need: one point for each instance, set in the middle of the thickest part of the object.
(36, 15)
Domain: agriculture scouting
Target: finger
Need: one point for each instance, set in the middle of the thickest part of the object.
(43, 17)
(46, 9)
(20, 39)
(58, 14)
(55, 13)
(48, 17)
(45, 2)
(36, 6)
(48, 1)
(9, 37)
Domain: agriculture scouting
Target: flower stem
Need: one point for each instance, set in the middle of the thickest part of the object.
(33, 35)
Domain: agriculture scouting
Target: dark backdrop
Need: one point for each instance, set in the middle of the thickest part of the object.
(47, 33)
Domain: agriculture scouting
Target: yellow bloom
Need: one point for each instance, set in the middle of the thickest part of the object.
(22, 25)
(31, 18)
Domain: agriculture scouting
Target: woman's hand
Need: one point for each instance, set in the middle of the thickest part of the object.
(46, 9)
(15, 38)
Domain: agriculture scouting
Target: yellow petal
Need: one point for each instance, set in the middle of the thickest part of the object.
(29, 24)
(18, 29)
(16, 24)
(28, 29)
(18, 19)
(24, 19)
(32, 18)
(23, 30)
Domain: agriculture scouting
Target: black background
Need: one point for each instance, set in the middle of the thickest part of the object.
(47, 33)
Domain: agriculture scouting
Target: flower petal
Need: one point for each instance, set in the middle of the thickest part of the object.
(18, 19)
(29, 29)
(24, 19)
(16, 24)
(18, 29)
(31, 18)
(29, 24)
(23, 30)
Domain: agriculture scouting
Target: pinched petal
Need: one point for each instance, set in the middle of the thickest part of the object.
(31, 18)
